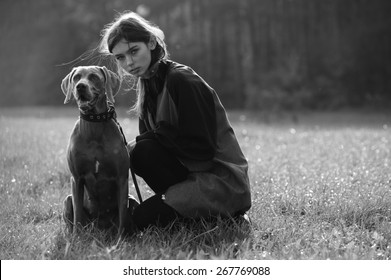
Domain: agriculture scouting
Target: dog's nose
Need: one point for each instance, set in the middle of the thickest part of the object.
(81, 87)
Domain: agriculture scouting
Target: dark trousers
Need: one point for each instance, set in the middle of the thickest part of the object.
(160, 170)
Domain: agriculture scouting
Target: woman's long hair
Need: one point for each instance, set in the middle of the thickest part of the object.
(133, 28)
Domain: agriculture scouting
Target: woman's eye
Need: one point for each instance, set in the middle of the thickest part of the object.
(119, 58)
(133, 51)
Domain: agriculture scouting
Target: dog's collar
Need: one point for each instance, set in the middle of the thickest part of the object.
(103, 117)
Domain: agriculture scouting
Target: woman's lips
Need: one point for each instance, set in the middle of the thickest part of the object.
(134, 71)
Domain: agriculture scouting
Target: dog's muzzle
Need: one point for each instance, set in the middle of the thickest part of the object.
(82, 92)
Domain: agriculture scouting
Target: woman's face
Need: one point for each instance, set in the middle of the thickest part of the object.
(133, 57)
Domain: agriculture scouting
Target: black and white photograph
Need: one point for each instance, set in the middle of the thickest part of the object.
(246, 133)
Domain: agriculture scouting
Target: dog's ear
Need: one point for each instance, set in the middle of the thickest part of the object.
(112, 83)
(66, 86)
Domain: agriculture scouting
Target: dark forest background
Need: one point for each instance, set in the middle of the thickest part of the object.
(257, 54)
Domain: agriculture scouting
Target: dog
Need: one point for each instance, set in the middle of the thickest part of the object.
(97, 155)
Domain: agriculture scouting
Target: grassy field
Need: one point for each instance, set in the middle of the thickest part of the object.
(321, 189)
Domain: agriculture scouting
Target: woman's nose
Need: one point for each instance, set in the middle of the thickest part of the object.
(129, 60)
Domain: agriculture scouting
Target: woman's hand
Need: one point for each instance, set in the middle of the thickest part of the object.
(130, 145)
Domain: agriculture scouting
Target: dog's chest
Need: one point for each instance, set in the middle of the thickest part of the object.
(98, 159)
(98, 153)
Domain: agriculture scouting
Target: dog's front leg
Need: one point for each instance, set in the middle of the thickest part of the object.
(77, 199)
(123, 206)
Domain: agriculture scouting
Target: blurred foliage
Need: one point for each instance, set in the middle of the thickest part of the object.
(269, 54)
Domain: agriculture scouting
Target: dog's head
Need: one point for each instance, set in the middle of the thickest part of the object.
(90, 84)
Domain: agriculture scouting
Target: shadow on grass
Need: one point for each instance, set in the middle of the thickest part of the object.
(218, 239)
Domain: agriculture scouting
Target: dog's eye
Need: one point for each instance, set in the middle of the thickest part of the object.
(93, 77)
(76, 78)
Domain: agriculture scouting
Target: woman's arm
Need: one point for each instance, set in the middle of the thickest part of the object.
(194, 137)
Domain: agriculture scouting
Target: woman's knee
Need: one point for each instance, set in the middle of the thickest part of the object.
(159, 168)
(141, 157)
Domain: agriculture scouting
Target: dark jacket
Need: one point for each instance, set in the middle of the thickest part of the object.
(191, 122)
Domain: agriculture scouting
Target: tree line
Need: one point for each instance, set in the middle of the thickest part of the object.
(257, 54)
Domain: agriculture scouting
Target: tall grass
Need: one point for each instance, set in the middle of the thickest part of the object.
(321, 189)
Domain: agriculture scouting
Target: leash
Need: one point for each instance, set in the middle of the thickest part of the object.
(131, 167)
(135, 184)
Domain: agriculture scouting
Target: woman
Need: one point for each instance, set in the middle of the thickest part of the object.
(187, 151)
